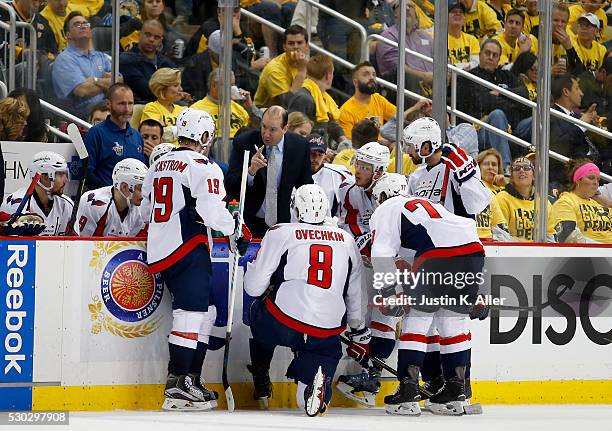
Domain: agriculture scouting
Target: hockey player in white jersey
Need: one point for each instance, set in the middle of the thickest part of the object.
(450, 177)
(443, 243)
(186, 194)
(115, 210)
(159, 150)
(356, 206)
(48, 200)
(327, 175)
(307, 278)
(356, 201)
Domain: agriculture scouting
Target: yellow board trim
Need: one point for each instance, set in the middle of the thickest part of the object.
(150, 397)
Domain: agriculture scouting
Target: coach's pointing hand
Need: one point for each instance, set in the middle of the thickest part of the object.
(258, 161)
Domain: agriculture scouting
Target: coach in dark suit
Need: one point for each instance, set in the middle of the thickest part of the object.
(279, 162)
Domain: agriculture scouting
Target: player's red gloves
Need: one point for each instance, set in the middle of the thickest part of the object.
(359, 346)
(458, 161)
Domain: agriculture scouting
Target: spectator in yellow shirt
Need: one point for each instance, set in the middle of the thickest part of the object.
(480, 19)
(500, 7)
(490, 222)
(56, 12)
(165, 84)
(589, 6)
(532, 18)
(513, 41)
(590, 52)
(314, 100)
(365, 102)
(88, 8)
(525, 68)
(285, 74)
(516, 202)
(463, 48)
(579, 217)
(239, 116)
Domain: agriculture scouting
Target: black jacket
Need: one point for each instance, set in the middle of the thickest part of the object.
(477, 101)
(137, 70)
(569, 140)
(295, 173)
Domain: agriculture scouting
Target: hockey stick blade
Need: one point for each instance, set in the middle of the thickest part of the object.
(77, 141)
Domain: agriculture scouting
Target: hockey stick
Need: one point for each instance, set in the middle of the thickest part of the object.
(229, 396)
(25, 199)
(79, 145)
(470, 409)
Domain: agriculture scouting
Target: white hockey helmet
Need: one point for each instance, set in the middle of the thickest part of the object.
(390, 185)
(310, 204)
(159, 150)
(376, 155)
(421, 131)
(193, 123)
(129, 171)
(48, 162)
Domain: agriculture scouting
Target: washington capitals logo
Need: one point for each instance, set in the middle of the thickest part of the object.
(127, 289)
(95, 202)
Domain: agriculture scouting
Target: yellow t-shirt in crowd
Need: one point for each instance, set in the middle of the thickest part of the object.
(490, 216)
(88, 8)
(592, 219)
(518, 215)
(481, 20)
(425, 21)
(577, 10)
(156, 111)
(593, 57)
(461, 48)
(276, 79)
(238, 120)
(56, 23)
(346, 158)
(247, 3)
(531, 22)
(127, 42)
(353, 111)
(408, 165)
(510, 53)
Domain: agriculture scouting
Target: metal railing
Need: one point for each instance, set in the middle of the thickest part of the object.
(515, 97)
(63, 114)
(10, 28)
(362, 31)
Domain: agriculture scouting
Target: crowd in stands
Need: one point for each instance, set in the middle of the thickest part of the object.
(167, 66)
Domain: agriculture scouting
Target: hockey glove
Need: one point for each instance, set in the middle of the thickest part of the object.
(364, 242)
(25, 225)
(458, 161)
(391, 296)
(359, 344)
(479, 311)
(239, 241)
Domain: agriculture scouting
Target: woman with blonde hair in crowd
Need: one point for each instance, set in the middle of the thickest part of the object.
(579, 217)
(13, 120)
(490, 222)
(516, 202)
(299, 123)
(165, 84)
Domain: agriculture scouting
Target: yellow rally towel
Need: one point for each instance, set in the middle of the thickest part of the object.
(327, 109)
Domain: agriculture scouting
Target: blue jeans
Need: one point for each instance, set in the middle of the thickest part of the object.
(487, 139)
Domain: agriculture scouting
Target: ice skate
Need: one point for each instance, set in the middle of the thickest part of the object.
(183, 395)
(199, 383)
(314, 395)
(362, 387)
(405, 399)
(434, 387)
(263, 386)
(452, 400)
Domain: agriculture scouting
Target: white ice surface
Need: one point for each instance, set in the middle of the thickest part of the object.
(495, 418)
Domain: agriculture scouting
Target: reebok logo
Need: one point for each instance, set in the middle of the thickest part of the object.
(13, 342)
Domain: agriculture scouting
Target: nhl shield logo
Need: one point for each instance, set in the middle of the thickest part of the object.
(127, 289)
